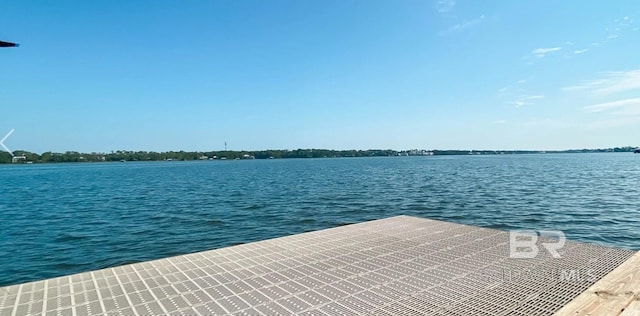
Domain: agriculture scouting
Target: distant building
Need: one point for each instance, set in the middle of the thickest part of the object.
(416, 152)
(16, 159)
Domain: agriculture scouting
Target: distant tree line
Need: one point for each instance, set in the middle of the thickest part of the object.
(502, 152)
(124, 155)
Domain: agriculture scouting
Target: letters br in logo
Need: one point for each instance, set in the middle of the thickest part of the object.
(523, 244)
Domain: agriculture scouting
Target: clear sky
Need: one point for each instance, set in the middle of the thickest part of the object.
(286, 74)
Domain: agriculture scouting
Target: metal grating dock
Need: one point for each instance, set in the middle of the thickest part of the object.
(397, 266)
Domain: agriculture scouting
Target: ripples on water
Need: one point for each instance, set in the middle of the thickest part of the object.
(63, 219)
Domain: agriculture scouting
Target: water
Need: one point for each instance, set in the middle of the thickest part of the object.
(69, 218)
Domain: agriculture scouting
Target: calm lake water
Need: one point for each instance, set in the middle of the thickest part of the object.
(68, 218)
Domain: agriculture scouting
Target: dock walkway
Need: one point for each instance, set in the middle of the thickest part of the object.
(396, 266)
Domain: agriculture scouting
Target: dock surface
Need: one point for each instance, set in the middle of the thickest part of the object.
(396, 266)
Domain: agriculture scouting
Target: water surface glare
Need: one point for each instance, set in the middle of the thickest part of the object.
(59, 219)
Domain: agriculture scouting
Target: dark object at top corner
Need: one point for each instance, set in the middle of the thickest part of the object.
(7, 44)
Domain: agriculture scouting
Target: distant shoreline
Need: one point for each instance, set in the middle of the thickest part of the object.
(123, 155)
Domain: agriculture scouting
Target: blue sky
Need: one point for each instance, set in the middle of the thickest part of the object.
(441, 74)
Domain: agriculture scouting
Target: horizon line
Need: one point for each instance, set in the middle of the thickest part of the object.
(370, 149)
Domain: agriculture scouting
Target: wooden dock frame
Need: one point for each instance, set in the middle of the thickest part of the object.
(618, 293)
